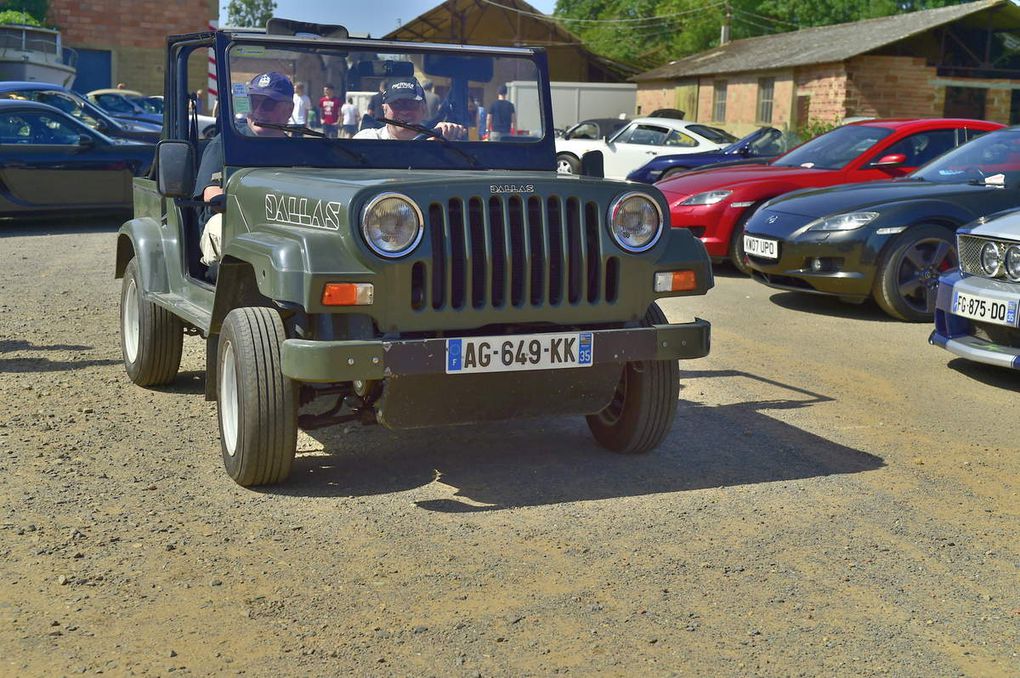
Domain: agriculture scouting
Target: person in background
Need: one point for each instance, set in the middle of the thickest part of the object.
(404, 101)
(502, 116)
(302, 106)
(271, 100)
(121, 85)
(329, 111)
(482, 119)
(349, 119)
(375, 104)
(431, 99)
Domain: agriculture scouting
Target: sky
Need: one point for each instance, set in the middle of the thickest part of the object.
(377, 18)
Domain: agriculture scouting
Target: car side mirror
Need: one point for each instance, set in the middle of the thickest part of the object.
(891, 160)
(85, 141)
(175, 163)
(593, 164)
(745, 150)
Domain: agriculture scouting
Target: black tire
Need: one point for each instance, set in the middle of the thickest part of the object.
(642, 410)
(257, 405)
(737, 241)
(151, 337)
(567, 164)
(672, 172)
(906, 281)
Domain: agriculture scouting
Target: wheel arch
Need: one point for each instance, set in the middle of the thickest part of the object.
(141, 239)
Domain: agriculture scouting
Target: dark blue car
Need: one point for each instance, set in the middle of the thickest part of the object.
(51, 164)
(81, 109)
(758, 146)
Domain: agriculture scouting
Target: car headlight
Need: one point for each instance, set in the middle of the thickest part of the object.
(706, 198)
(991, 258)
(1013, 263)
(635, 221)
(392, 224)
(842, 222)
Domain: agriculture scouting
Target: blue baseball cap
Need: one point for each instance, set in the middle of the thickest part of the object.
(405, 88)
(274, 85)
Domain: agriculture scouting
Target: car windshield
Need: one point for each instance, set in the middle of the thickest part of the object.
(997, 153)
(116, 103)
(714, 134)
(149, 104)
(65, 101)
(477, 93)
(835, 149)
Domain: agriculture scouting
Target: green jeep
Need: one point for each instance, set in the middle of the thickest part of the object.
(405, 282)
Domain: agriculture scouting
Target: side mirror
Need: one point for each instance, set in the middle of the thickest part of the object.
(593, 164)
(745, 150)
(175, 163)
(85, 141)
(891, 160)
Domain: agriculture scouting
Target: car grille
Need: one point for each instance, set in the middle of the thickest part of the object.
(969, 248)
(511, 251)
(996, 334)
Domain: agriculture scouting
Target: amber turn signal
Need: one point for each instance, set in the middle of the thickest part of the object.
(676, 281)
(347, 294)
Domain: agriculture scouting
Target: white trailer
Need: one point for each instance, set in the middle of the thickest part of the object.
(573, 101)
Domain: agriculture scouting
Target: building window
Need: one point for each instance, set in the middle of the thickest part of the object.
(766, 91)
(719, 101)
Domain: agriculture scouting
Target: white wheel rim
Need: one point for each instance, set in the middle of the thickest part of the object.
(563, 167)
(129, 322)
(228, 400)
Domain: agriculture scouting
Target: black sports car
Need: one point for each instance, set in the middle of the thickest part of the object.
(885, 239)
(52, 164)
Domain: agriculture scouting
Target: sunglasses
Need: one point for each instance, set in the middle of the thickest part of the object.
(404, 104)
(263, 104)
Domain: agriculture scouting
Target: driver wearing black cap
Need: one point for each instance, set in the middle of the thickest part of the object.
(404, 101)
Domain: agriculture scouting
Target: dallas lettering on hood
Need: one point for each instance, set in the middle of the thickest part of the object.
(290, 209)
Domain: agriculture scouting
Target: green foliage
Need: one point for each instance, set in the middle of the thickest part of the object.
(15, 11)
(250, 13)
(649, 33)
(814, 127)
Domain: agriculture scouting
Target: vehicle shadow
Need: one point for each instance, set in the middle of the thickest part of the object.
(545, 461)
(34, 363)
(13, 228)
(990, 375)
(821, 304)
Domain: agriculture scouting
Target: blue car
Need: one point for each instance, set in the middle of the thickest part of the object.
(52, 164)
(976, 309)
(81, 109)
(759, 146)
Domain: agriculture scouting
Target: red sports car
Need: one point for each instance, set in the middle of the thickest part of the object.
(715, 203)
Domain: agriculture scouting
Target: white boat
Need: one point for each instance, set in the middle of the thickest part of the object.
(35, 54)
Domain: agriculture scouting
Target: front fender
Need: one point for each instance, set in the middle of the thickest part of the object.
(913, 213)
(140, 239)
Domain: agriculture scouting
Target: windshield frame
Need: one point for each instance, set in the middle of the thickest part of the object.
(240, 151)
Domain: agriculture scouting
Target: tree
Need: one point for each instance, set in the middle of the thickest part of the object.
(250, 13)
(13, 11)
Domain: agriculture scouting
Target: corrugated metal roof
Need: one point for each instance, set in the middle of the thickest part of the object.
(819, 45)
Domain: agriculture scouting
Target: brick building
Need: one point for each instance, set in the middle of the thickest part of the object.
(959, 61)
(125, 40)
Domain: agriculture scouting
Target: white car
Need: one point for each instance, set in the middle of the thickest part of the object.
(639, 142)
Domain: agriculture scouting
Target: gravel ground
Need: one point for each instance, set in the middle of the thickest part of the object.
(836, 498)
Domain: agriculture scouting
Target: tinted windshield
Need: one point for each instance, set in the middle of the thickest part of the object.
(340, 92)
(835, 149)
(988, 155)
(116, 103)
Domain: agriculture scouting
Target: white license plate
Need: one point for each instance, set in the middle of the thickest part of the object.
(985, 309)
(761, 247)
(518, 353)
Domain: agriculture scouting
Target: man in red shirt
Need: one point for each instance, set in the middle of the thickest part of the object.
(329, 111)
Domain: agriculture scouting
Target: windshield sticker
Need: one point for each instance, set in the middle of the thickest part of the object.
(995, 180)
(290, 209)
(950, 172)
(511, 188)
(248, 50)
(807, 165)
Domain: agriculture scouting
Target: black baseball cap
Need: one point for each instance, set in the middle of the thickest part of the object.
(405, 88)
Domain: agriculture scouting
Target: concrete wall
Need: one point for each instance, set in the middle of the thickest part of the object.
(134, 31)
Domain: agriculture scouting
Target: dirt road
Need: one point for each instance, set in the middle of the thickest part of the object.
(836, 498)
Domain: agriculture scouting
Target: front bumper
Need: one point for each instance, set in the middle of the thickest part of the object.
(335, 361)
(967, 339)
(713, 224)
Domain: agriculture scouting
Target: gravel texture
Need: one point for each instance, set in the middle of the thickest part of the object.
(836, 498)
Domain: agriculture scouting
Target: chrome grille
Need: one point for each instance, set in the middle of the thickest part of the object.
(969, 247)
(513, 251)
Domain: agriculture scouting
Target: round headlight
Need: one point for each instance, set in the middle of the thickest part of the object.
(392, 224)
(990, 258)
(635, 222)
(1013, 262)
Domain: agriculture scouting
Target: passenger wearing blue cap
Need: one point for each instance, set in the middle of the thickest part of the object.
(270, 101)
(404, 101)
